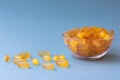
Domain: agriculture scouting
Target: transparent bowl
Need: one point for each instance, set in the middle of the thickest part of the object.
(89, 49)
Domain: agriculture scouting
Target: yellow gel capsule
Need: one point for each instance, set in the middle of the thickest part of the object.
(61, 57)
(43, 53)
(62, 63)
(23, 64)
(80, 35)
(18, 59)
(73, 45)
(7, 58)
(55, 58)
(46, 58)
(35, 61)
(96, 43)
(102, 34)
(48, 66)
(106, 37)
(25, 55)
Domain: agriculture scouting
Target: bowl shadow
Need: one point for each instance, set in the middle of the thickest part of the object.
(111, 57)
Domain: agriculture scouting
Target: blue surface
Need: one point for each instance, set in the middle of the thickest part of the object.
(35, 25)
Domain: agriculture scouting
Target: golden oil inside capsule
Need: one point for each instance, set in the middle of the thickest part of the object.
(48, 66)
(23, 64)
(43, 53)
(56, 57)
(62, 63)
(35, 61)
(18, 59)
(7, 58)
(25, 55)
(47, 58)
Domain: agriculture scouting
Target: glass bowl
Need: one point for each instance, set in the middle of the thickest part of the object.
(88, 48)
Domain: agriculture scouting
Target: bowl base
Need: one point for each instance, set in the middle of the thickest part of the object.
(90, 58)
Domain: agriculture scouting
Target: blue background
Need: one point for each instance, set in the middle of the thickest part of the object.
(35, 25)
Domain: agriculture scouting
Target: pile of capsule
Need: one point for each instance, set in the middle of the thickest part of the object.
(23, 58)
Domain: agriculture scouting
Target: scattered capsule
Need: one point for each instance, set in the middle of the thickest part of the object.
(43, 53)
(61, 57)
(48, 66)
(18, 59)
(23, 64)
(62, 63)
(25, 55)
(46, 58)
(21, 60)
(35, 61)
(7, 58)
(55, 58)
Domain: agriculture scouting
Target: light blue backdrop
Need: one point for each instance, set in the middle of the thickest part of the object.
(35, 25)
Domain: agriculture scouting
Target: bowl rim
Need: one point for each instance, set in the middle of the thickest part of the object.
(63, 34)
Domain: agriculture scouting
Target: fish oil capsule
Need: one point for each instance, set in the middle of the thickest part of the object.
(106, 37)
(80, 35)
(55, 58)
(62, 63)
(18, 59)
(82, 41)
(61, 57)
(48, 66)
(96, 43)
(102, 34)
(35, 61)
(42, 53)
(7, 58)
(23, 64)
(72, 44)
(46, 58)
(25, 55)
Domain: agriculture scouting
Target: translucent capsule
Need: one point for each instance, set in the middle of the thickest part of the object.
(56, 57)
(82, 41)
(48, 66)
(18, 59)
(80, 35)
(106, 37)
(23, 64)
(25, 55)
(83, 52)
(73, 45)
(96, 43)
(82, 46)
(7, 58)
(62, 63)
(42, 53)
(73, 32)
(47, 58)
(102, 34)
(61, 57)
(35, 61)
